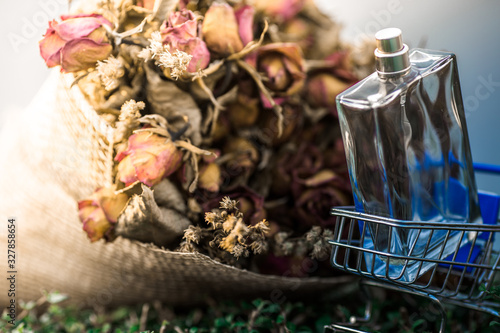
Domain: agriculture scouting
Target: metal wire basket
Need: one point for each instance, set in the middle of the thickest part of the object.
(463, 278)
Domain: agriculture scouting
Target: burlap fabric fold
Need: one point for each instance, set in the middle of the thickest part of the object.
(54, 154)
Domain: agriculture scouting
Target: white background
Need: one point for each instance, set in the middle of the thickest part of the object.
(470, 29)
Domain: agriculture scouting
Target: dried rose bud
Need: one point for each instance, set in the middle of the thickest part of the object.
(314, 204)
(298, 31)
(323, 88)
(99, 212)
(182, 23)
(246, 154)
(221, 31)
(210, 177)
(181, 32)
(280, 10)
(149, 158)
(76, 43)
(210, 173)
(292, 119)
(283, 66)
(221, 128)
(244, 111)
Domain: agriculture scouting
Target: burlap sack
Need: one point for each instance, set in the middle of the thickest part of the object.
(54, 154)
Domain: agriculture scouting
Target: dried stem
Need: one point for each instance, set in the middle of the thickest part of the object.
(209, 93)
(251, 46)
(258, 80)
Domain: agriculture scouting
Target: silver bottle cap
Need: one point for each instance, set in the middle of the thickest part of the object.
(391, 54)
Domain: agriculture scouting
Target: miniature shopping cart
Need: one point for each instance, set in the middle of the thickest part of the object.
(463, 278)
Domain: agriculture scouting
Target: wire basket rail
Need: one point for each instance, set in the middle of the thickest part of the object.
(463, 277)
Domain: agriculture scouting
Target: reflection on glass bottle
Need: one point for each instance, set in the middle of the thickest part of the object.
(408, 152)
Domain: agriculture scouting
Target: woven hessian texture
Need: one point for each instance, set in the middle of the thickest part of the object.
(54, 154)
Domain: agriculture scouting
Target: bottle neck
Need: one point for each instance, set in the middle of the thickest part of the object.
(392, 64)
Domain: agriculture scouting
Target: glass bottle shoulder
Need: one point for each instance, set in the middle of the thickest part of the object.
(374, 91)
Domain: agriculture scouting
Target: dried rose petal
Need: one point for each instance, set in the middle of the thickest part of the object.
(153, 158)
(323, 88)
(83, 53)
(244, 17)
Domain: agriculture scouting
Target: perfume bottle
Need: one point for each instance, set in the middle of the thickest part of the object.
(408, 154)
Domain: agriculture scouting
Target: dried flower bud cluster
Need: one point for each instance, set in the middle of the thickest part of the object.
(110, 71)
(230, 106)
(175, 62)
(314, 243)
(228, 231)
(128, 119)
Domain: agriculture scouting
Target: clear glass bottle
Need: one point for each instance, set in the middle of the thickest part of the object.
(408, 152)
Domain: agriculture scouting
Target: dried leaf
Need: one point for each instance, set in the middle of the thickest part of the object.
(168, 195)
(145, 221)
(173, 103)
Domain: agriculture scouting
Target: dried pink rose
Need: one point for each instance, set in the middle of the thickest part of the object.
(226, 31)
(181, 32)
(149, 158)
(76, 43)
(318, 195)
(280, 10)
(324, 84)
(299, 31)
(100, 212)
(283, 66)
(323, 88)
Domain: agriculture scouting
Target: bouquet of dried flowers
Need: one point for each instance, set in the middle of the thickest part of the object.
(226, 139)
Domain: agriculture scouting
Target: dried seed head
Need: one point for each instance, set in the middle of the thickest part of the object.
(287, 248)
(281, 237)
(110, 71)
(228, 204)
(259, 247)
(175, 63)
(128, 120)
(211, 219)
(319, 250)
(240, 251)
(187, 247)
(313, 234)
(193, 234)
(262, 227)
(229, 223)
